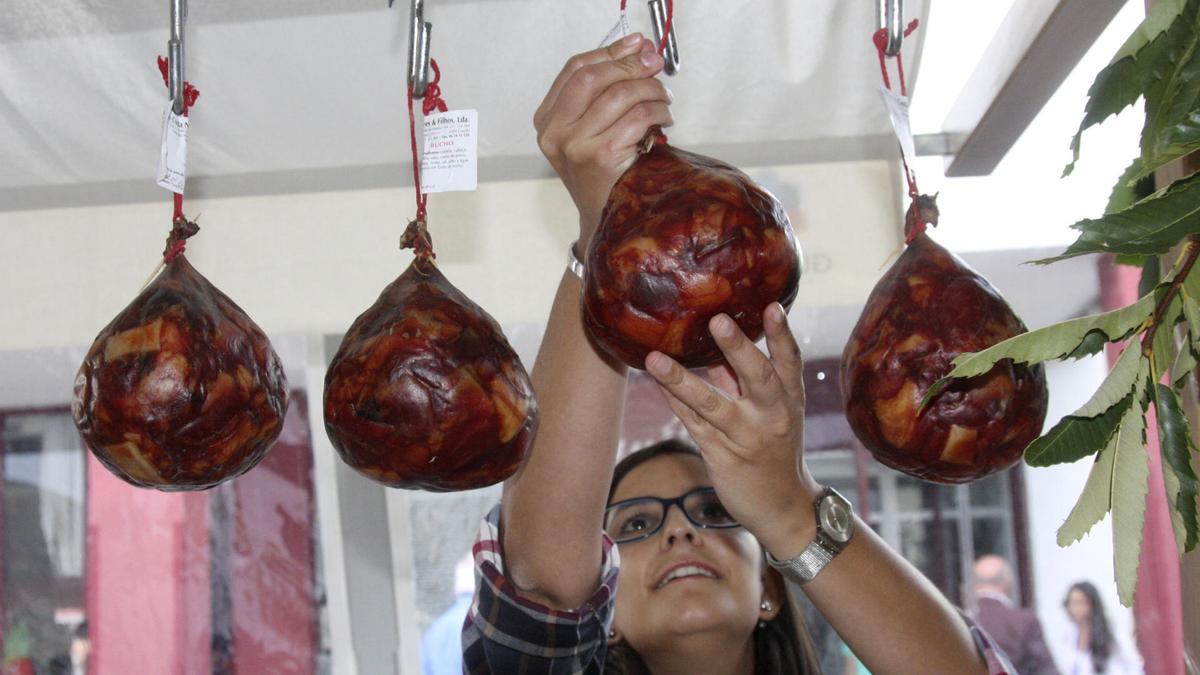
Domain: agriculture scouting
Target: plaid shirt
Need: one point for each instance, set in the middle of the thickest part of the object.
(507, 634)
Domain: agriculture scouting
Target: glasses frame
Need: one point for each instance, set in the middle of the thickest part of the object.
(666, 505)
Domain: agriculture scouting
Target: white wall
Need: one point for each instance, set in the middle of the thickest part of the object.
(311, 263)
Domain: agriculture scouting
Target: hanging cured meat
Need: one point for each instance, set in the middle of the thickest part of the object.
(928, 309)
(683, 238)
(182, 391)
(425, 391)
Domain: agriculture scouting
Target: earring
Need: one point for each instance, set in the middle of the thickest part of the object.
(765, 606)
(612, 633)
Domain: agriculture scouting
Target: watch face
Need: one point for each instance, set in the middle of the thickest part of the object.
(836, 517)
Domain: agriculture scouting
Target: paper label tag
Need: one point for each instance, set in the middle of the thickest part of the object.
(172, 157)
(451, 158)
(897, 107)
(618, 31)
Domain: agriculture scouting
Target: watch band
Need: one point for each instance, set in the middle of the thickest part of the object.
(825, 545)
(573, 262)
(805, 567)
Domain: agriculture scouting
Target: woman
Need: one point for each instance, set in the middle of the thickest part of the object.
(692, 590)
(1089, 644)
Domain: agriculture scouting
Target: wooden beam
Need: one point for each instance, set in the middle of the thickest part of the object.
(1035, 48)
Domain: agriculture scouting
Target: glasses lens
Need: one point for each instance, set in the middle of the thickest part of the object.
(704, 508)
(633, 520)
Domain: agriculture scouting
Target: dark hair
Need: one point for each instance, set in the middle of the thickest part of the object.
(782, 646)
(1100, 641)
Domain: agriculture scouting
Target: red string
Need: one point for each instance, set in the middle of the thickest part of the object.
(880, 38)
(190, 94)
(433, 101)
(662, 44)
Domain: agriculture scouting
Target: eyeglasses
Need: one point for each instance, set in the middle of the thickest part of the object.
(639, 518)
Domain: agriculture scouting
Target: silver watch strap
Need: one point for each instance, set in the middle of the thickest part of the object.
(573, 262)
(804, 567)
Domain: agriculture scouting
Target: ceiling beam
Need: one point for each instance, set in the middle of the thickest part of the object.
(1034, 49)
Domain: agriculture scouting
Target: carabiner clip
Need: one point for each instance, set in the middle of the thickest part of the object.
(658, 17)
(418, 48)
(175, 55)
(891, 19)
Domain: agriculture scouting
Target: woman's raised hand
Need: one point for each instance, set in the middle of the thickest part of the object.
(749, 424)
(600, 106)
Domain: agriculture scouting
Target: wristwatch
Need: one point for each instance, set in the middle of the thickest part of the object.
(835, 527)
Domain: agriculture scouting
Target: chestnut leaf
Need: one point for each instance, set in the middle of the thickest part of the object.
(1152, 226)
(1075, 437)
(1118, 482)
(1051, 342)
(1178, 475)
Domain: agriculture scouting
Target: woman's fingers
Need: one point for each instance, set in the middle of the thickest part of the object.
(618, 147)
(589, 82)
(785, 352)
(756, 374)
(722, 377)
(704, 434)
(642, 96)
(630, 44)
(702, 401)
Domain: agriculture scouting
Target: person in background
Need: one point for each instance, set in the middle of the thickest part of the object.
(1017, 631)
(1089, 642)
(686, 529)
(441, 646)
(75, 661)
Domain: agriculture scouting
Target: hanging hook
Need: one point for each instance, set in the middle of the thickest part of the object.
(175, 55)
(658, 17)
(891, 19)
(418, 48)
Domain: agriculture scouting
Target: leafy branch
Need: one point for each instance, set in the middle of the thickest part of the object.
(1160, 65)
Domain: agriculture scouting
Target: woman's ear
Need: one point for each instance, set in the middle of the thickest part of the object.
(774, 591)
(614, 635)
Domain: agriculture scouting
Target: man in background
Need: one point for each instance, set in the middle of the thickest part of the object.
(1017, 631)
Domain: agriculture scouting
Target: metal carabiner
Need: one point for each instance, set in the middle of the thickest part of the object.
(418, 48)
(658, 18)
(891, 19)
(175, 55)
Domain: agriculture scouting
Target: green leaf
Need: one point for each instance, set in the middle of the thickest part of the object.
(1094, 501)
(1158, 19)
(1151, 275)
(1125, 192)
(1075, 437)
(1185, 362)
(1150, 227)
(1139, 70)
(1130, 483)
(1132, 260)
(1164, 350)
(1172, 91)
(1178, 527)
(1117, 384)
(1115, 88)
(1180, 478)
(1051, 342)
(1091, 344)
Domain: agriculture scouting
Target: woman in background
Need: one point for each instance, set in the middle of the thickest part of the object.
(1089, 643)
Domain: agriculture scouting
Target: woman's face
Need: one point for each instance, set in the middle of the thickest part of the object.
(722, 585)
(1078, 606)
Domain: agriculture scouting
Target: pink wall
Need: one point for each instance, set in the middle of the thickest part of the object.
(147, 578)
(149, 603)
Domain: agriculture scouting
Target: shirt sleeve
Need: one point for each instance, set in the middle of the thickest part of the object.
(506, 633)
(997, 661)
